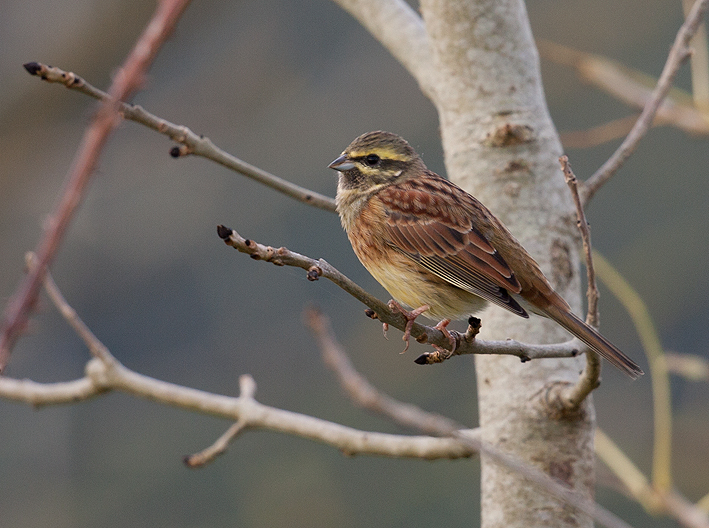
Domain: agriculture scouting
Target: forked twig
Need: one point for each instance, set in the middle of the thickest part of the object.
(104, 373)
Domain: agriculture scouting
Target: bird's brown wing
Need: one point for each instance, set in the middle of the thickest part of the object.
(422, 225)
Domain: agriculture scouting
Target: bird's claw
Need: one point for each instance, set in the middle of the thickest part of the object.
(443, 327)
(410, 318)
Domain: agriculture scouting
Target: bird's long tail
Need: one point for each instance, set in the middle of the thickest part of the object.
(595, 341)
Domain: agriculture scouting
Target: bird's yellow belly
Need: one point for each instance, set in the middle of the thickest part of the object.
(414, 286)
(408, 282)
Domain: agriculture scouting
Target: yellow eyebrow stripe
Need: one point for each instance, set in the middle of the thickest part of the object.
(383, 153)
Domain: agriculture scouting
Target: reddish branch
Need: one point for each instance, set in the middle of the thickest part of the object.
(126, 81)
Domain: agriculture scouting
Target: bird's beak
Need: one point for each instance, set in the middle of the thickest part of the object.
(342, 164)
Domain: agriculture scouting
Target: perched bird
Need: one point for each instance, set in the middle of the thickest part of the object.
(437, 249)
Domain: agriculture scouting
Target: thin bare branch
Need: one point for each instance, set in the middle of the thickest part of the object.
(41, 394)
(126, 81)
(625, 470)
(630, 86)
(597, 135)
(218, 448)
(678, 54)
(699, 64)
(96, 347)
(592, 317)
(423, 334)
(247, 387)
(689, 366)
(101, 379)
(572, 396)
(703, 504)
(366, 395)
(688, 515)
(105, 373)
(190, 142)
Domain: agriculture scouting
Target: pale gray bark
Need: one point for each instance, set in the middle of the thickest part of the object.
(501, 146)
(477, 61)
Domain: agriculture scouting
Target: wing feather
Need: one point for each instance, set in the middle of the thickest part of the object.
(445, 242)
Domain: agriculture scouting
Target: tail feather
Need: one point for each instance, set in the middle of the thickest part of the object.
(595, 341)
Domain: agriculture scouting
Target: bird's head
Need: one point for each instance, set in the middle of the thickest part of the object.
(375, 160)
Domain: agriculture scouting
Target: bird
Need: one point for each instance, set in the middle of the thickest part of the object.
(437, 249)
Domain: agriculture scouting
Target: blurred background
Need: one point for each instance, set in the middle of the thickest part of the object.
(286, 85)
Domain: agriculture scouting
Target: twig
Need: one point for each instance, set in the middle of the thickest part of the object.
(678, 54)
(592, 290)
(690, 366)
(626, 471)
(258, 416)
(126, 81)
(630, 86)
(655, 501)
(703, 503)
(218, 448)
(247, 389)
(191, 143)
(424, 334)
(597, 135)
(572, 396)
(367, 396)
(684, 511)
(105, 373)
(96, 347)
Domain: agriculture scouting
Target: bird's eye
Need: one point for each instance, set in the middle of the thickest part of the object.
(371, 160)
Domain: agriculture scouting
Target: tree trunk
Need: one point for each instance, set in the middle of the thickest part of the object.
(501, 146)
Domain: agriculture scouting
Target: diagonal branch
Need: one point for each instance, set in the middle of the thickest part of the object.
(423, 334)
(126, 81)
(661, 392)
(679, 53)
(367, 396)
(654, 500)
(190, 142)
(630, 86)
(218, 448)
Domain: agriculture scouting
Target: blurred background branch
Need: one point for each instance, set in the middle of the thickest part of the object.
(661, 396)
(126, 81)
(679, 53)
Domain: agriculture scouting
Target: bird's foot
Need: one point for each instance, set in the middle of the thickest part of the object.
(443, 327)
(410, 318)
(441, 354)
